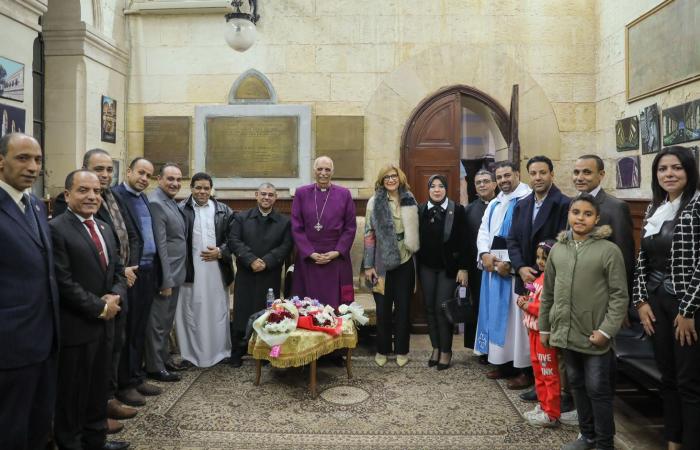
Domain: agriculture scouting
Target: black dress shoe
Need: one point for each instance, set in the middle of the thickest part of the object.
(174, 367)
(235, 362)
(115, 445)
(432, 363)
(164, 375)
(529, 396)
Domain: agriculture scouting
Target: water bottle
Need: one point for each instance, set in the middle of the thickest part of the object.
(270, 298)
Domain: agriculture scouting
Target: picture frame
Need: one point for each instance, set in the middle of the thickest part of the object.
(11, 79)
(628, 173)
(108, 123)
(650, 129)
(11, 119)
(627, 134)
(117, 173)
(682, 123)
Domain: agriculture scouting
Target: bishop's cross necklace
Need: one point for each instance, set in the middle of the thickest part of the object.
(318, 225)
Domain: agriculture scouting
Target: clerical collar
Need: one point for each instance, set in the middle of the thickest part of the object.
(443, 205)
(131, 190)
(322, 189)
(263, 213)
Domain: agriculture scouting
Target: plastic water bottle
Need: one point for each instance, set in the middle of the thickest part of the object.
(270, 298)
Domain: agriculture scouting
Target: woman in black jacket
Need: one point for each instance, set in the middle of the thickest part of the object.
(442, 264)
(667, 290)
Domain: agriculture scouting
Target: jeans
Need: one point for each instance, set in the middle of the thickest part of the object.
(591, 379)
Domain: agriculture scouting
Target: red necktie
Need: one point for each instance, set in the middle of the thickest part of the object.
(96, 240)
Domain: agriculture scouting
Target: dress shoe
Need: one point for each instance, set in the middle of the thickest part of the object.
(172, 366)
(498, 374)
(114, 426)
(235, 362)
(116, 410)
(148, 389)
(432, 362)
(483, 360)
(401, 360)
(380, 359)
(115, 445)
(444, 365)
(164, 375)
(131, 397)
(529, 396)
(522, 381)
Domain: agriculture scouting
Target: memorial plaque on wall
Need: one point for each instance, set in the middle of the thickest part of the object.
(342, 138)
(167, 139)
(252, 147)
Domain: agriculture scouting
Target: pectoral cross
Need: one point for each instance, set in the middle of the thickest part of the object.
(318, 226)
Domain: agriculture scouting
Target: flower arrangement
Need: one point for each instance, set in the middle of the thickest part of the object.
(276, 324)
(315, 316)
(355, 312)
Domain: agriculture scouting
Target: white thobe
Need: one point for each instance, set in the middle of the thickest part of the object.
(202, 316)
(517, 345)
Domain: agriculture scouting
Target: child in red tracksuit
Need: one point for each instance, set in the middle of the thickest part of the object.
(544, 360)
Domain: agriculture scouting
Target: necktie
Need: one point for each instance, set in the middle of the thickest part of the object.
(29, 215)
(96, 240)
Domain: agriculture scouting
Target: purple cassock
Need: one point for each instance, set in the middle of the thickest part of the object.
(323, 221)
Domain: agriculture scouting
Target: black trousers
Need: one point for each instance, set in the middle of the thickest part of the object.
(680, 372)
(474, 292)
(27, 396)
(81, 404)
(398, 286)
(116, 343)
(140, 296)
(437, 287)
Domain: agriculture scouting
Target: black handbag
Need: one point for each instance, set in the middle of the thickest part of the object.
(458, 309)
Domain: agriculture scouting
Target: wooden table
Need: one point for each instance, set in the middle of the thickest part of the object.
(305, 347)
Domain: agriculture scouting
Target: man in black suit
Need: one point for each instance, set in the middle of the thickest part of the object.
(99, 161)
(537, 217)
(90, 285)
(28, 301)
(589, 171)
(137, 214)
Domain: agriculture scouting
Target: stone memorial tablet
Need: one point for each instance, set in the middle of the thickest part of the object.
(167, 139)
(252, 147)
(342, 138)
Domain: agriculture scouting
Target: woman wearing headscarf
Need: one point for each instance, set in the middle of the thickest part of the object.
(442, 264)
(391, 239)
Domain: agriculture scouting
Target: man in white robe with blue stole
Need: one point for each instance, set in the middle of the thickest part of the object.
(500, 332)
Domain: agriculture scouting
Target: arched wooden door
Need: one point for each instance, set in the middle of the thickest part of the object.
(431, 145)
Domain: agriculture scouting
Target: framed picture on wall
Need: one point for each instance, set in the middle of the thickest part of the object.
(109, 119)
(11, 119)
(628, 172)
(117, 173)
(650, 129)
(627, 134)
(682, 123)
(11, 79)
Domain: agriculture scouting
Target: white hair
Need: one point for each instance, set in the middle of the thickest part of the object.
(317, 160)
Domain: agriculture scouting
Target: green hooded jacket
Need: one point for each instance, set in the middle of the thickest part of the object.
(585, 289)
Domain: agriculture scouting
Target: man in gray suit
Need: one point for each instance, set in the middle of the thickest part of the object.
(588, 174)
(171, 238)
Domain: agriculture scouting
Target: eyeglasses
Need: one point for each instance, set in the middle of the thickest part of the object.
(482, 182)
(393, 176)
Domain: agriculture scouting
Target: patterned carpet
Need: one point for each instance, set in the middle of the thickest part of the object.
(390, 407)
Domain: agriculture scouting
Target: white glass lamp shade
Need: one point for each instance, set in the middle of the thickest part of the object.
(240, 34)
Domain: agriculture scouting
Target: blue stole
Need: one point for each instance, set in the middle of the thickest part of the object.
(496, 291)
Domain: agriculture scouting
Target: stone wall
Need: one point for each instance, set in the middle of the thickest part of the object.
(378, 59)
(611, 101)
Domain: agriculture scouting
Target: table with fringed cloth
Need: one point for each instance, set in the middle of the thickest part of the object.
(304, 347)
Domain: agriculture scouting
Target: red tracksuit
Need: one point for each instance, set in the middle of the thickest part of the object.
(544, 360)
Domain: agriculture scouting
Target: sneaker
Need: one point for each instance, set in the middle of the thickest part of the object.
(581, 443)
(401, 360)
(380, 359)
(569, 418)
(536, 410)
(542, 419)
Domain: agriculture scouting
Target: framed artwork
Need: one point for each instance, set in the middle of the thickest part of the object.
(682, 123)
(628, 172)
(11, 79)
(627, 134)
(650, 129)
(11, 119)
(661, 48)
(117, 173)
(109, 119)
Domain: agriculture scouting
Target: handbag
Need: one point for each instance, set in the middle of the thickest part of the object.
(458, 309)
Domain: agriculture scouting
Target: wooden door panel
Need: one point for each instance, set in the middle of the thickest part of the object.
(437, 127)
(421, 175)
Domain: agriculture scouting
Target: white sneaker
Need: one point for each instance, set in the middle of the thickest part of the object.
(536, 410)
(541, 419)
(380, 359)
(569, 418)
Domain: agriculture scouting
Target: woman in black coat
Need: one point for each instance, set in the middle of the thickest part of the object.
(442, 264)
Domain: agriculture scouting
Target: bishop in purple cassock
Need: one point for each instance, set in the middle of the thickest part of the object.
(323, 227)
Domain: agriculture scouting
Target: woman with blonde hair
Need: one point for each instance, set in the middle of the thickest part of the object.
(391, 239)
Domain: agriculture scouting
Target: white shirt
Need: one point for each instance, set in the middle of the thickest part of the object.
(204, 221)
(443, 205)
(98, 230)
(14, 194)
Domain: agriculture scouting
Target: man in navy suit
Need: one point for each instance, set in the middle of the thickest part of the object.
(28, 301)
(91, 285)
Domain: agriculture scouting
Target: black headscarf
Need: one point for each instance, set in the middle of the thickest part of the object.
(443, 179)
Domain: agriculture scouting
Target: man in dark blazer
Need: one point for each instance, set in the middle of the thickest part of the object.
(537, 217)
(100, 162)
(137, 214)
(171, 239)
(588, 174)
(90, 284)
(261, 240)
(28, 301)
